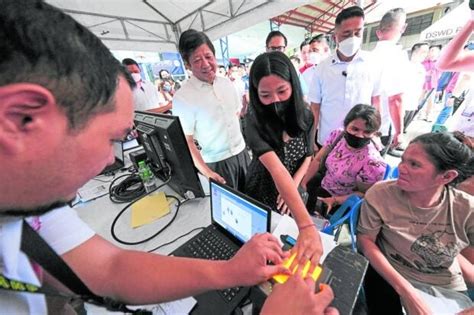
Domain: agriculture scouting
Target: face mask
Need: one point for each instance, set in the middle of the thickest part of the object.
(314, 58)
(349, 46)
(277, 109)
(136, 77)
(355, 142)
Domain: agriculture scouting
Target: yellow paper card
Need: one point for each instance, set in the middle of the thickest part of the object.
(149, 208)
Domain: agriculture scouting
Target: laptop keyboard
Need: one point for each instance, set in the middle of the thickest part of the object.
(210, 245)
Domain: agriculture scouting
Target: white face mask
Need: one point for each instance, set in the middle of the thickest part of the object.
(315, 58)
(349, 46)
(136, 77)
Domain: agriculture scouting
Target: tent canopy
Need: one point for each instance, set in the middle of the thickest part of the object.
(155, 25)
(448, 25)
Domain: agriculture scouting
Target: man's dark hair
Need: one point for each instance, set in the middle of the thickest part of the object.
(417, 46)
(275, 34)
(130, 62)
(390, 18)
(40, 44)
(318, 39)
(190, 40)
(347, 13)
(303, 43)
(297, 117)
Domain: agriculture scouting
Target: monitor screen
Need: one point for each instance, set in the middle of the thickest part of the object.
(237, 214)
(165, 145)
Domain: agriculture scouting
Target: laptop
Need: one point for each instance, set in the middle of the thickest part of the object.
(119, 160)
(235, 219)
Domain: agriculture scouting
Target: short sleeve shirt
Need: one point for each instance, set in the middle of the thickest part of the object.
(347, 166)
(210, 113)
(420, 243)
(61, 229)
(338, 86)
(391, 62)
(147, 97)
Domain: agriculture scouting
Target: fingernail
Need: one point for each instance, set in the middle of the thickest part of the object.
(321, 287)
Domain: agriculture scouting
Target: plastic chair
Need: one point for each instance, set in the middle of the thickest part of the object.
(348, 212)
(391, 172)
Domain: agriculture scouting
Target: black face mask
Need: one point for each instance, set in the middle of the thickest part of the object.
(277, 110)
(355, 142)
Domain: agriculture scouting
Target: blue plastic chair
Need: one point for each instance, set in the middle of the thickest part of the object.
(348, 212)
(391, 172)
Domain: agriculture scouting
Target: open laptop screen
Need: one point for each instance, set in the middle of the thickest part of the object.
(238, 214)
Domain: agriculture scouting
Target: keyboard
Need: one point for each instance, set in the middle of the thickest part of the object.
(210, 245)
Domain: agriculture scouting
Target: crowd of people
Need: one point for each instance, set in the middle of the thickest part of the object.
(277, 132)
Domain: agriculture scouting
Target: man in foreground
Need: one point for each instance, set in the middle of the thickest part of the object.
(64, 99)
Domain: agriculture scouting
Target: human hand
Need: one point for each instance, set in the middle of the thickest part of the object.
(218, 178)
(397, 140)
(330, 203)
(414, 304)
(467, 311)
(308, 247)
(296, 296)
(249, 266)
(281, 206)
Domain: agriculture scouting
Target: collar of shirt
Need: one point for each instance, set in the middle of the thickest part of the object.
(361, 55)
(388, 44)
(200, 84)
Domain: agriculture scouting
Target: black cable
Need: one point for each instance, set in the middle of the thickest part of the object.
(112, 228)
(127, 190)
(179, 237)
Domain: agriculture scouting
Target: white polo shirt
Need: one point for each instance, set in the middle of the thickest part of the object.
(415, 78)
(338, 86)
(147, 97)
(210, 113)
(61, 229)
(393, 63)
(308, 75)
(463, 119)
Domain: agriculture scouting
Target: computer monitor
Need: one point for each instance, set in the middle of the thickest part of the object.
(165, 145)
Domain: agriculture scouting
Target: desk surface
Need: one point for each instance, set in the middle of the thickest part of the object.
(100, 213)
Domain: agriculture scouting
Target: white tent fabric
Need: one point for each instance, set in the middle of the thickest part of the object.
(155, 25)
(448, 25)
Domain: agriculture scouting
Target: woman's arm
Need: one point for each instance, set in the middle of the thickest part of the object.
(466, 262)
(313, 167)
(308, 245)
(454, 57)
(409, 297)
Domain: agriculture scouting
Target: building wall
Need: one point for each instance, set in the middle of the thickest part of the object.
(417, 22)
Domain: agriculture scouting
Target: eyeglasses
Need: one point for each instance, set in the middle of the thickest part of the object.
(276, 48)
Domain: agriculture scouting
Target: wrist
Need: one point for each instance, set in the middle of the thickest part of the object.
(306, 226)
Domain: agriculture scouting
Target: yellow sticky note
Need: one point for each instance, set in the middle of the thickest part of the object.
(149, 208)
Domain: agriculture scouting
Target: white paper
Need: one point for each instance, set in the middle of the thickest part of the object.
(183, 306)
(287, 225)
(440, 305)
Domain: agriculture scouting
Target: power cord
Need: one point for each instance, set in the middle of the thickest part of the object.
(127, 190)
(112, 228)
(179, 237)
